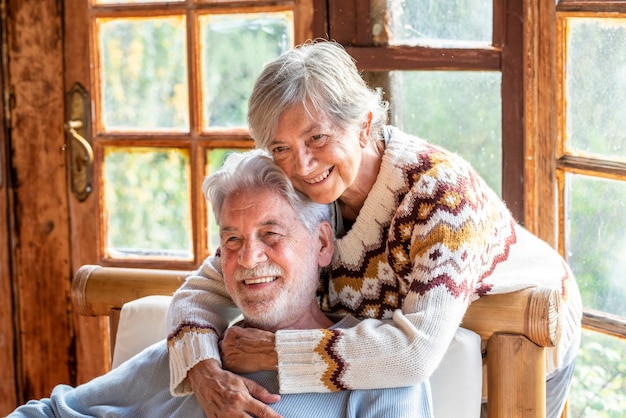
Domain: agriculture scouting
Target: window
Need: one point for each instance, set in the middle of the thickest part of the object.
(443, 66)
(145, 81)
(556, 79)
(168, 84)
(459, 110)
(591, 172)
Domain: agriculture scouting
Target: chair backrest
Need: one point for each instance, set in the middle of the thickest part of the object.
(516, 329)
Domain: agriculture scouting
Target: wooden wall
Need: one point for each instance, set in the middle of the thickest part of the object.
(37, 225)
(8, 393)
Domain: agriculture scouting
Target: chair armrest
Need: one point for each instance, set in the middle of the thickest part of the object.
(533, 312)
(518, 327)
(97, 290)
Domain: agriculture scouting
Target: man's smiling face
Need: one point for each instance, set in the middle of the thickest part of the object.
(270, 261)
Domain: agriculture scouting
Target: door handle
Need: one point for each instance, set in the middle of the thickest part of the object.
(70, 127)
(78, 129)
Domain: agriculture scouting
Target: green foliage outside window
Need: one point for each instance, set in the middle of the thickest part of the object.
(147, 202)
(460, 111)
(234, 50)
(600, 378)
(595, 224)
(144, 80)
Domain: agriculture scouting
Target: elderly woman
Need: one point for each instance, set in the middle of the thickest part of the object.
(419, 237)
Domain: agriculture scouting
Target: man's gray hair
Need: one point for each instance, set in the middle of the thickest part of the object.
(320, 74)
(254, 170)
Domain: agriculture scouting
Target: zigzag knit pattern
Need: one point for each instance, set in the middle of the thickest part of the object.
(438, 231)
(449, 230)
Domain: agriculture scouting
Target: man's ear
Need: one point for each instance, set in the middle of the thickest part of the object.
(327, 244)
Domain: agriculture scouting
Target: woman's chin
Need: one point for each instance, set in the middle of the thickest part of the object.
(323, 197)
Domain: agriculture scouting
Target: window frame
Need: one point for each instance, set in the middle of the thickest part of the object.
(595, 167)
(88, 220)
(374, 56)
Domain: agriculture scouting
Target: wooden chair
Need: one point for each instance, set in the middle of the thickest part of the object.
(516, 329)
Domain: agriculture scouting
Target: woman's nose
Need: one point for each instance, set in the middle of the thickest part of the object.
(304, 161)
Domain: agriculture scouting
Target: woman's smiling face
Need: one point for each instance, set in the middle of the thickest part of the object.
(321, 159)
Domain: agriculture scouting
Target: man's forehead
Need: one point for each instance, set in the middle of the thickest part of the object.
(259, 222)
(262, 207)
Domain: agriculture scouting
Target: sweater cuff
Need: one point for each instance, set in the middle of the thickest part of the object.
(300, 367)
(185, 351)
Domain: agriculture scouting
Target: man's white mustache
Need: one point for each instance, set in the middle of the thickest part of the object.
(243, 273)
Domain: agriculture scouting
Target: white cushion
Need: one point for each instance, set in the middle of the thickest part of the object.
(142, 323)
(456, 384)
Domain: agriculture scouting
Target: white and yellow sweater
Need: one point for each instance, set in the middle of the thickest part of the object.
(430, 238)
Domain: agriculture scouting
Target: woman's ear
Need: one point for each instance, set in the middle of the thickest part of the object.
(365, 130)
(327, 244)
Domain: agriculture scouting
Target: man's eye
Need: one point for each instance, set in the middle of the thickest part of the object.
(278, 150)
(229, 241)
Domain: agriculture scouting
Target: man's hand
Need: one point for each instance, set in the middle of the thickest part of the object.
(224, 394)
(247, 350)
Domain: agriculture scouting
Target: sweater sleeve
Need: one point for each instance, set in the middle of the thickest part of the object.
(374, 354)
(200, 311)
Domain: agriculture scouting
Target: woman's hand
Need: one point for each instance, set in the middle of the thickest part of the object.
(225, 394)
(247, 350)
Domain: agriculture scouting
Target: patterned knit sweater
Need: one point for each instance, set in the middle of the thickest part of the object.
(431, 238)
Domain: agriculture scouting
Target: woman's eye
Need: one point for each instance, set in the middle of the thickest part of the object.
(317, 141)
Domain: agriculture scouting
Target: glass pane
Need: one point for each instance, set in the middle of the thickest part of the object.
(599, 384)
(460, 111)
(234, 49)
(596, 87)
(146, 201)
(441, 23)
(215, 159)
(144, 74)
(595, 240)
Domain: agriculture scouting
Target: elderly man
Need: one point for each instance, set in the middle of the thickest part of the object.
(273, 243)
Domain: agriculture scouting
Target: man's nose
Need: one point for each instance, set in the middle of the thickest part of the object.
(251, 254)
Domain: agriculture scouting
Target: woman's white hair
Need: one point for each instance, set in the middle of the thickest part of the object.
(254, 170)
(320, 74)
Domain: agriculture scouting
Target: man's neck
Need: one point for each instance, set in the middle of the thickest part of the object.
(315, 319)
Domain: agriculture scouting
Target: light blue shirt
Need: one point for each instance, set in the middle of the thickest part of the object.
(140, 388)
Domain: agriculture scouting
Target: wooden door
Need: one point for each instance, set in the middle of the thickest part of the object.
(165, 90)
(36, 343)
(7, 331)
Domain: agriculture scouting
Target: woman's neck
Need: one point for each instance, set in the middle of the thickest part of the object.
(352, 200)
